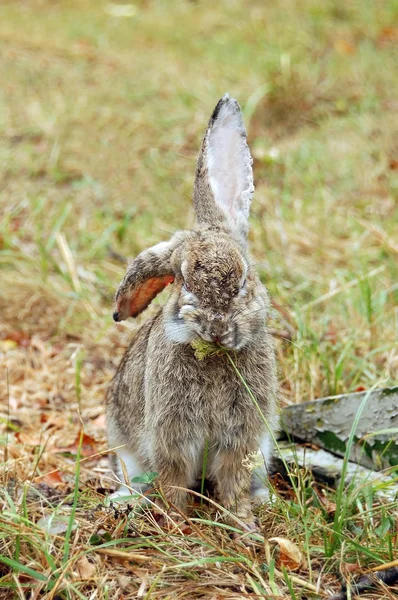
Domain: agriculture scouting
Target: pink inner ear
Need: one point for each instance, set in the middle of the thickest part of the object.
(141, 296)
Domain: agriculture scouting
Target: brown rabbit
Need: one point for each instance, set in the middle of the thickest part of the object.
(164, 403)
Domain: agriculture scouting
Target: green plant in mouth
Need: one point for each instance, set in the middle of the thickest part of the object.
(203, 349)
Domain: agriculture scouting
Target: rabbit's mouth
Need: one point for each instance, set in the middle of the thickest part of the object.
(185, 323)
(184, 331)
(229, 339)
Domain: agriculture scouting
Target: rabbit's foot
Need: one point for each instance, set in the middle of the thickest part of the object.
(241, 509)
(250, 526)
(248, 523)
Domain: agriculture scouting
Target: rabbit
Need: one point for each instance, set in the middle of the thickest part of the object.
(164, 403)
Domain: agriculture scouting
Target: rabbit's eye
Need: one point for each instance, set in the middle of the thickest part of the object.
(243, 284)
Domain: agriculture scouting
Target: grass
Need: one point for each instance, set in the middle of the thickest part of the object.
(100, 121)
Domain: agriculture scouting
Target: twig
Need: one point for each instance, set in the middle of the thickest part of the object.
(384, 567)
(122, 555)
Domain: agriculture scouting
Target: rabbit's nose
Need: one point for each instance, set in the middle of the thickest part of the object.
(217, 328)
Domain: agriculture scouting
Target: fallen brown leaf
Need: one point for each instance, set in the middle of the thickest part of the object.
(51, 478)
(289, 555)
(89, 446)
(327, 504)
(393, 164)
(29, 438)
(19, 337)
(85, 568)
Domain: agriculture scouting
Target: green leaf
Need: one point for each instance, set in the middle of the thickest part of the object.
(384, 526)
(145, 478)
(17, 566)
(95, 540)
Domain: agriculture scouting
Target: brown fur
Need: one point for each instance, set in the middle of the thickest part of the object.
(164, 403)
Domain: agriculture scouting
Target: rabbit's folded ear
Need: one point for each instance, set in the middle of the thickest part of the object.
(147, 275)
(224, 178)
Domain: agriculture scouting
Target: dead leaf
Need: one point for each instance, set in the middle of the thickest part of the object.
(343, 47)
(185, 529)
(349, 568)
(327, 504)
(19, 337)
(51, 478)
(85, 568)
(55, 524)
(29, 439)
(100, 421)
(289, 554)
(89, 446)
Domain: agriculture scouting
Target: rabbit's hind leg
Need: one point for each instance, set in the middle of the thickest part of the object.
(233, 483)
(177, 470)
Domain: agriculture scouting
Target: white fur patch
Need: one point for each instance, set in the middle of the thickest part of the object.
(260, 475)
(229, 164)
(179, 331)
(184, 267)
(266, 446)
(187, 308)
(161, 247)
(132, 465)
(260, 496)
(133, 468)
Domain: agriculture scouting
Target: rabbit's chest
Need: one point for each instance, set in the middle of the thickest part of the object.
(205, 397)
(225, 402)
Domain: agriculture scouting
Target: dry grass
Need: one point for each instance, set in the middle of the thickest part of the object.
(100, 121)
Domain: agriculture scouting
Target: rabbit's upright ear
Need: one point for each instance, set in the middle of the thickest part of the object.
(146, 276)
(224, 177)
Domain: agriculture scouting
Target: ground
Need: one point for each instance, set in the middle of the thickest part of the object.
(102, 108)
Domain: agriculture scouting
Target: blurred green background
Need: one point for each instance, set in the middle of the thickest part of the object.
(102, 109)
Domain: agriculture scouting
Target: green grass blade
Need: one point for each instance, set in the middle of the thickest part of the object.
(17, 566)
